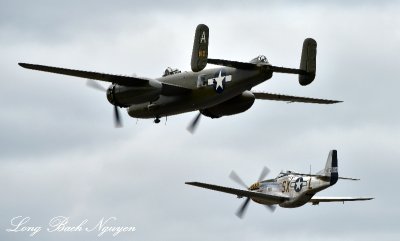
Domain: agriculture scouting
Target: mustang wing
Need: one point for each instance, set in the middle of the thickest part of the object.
(317, 200)
(290, 98)
(241, 193)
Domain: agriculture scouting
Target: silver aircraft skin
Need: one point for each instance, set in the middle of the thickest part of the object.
(289, 189)
(216, 92)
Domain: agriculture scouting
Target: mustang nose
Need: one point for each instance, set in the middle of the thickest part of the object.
(255, 186)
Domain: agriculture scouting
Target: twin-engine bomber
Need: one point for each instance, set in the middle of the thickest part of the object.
(289, 189)
(214, 92)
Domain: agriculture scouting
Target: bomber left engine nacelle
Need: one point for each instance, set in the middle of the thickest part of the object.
(125, 96)
(236, 105)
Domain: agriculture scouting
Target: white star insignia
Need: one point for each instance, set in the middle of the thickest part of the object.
(219, 80)
(298, 184)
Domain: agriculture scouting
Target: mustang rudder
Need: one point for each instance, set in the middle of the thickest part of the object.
(331, 168)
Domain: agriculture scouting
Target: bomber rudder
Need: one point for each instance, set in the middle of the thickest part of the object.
(200, 48)
(308, 61)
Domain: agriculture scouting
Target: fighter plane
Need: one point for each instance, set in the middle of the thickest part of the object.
(289, 189)
(215, 92)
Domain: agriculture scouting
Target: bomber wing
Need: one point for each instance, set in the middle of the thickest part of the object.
(168, 89)
(317, 200)
(241, 193)
(119, 79)
(290, 98)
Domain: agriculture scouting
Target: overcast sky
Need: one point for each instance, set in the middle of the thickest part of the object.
(61, 156)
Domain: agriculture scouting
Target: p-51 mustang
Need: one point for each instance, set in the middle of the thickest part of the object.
(213, 92)
(289, 189)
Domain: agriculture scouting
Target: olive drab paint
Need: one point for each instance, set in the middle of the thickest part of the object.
(200, 48)
(308, 61)
(215, 92)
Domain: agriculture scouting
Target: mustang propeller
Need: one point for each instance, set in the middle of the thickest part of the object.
(93, 84)
(235, 177)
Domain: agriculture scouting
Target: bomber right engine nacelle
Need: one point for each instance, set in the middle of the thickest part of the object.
(308, 61)
(233, 106)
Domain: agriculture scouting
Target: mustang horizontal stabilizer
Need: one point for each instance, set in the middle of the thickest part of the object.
(122, 80)
(317, 200)
(321, 176)
(240, 193)
(290, 98)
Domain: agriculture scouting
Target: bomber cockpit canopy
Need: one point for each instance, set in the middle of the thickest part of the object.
(284, 173)
(260, 59)
(171, 71)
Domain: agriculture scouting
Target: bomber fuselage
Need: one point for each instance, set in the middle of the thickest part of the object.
(208, 88)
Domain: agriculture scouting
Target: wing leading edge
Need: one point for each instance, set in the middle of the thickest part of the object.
(119, 79)
(317, 200)
(168, 89)
(240, 193)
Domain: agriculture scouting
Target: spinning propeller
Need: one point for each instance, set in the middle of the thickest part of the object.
(235, 177)
(195, 122)
(95, 85)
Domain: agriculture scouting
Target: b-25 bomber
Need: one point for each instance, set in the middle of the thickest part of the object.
(289, 189)
(216, 92)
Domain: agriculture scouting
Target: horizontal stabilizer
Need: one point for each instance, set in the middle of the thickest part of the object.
(233, 64)
(321, 176)
(289, 98)
(253, 66)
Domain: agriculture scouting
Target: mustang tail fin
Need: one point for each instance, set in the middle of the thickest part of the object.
(200, 48)
(331, 167)
(308, 61)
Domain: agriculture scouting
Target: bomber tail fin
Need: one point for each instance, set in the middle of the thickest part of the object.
(331, 167)
(308, 61)
(200, 48)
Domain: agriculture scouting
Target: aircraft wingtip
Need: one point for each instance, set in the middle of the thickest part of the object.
(22, 65)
